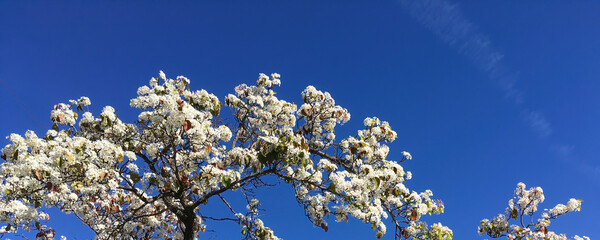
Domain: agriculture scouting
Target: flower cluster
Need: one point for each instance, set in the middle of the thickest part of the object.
(320, 115)
(259, 108)
(525, 204)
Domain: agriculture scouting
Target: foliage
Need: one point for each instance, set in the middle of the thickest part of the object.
(149, 179)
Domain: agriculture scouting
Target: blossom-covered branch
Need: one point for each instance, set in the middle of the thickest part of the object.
(521, 209)
(148, 179)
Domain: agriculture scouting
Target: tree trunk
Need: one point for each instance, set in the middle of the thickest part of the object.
(188, 223)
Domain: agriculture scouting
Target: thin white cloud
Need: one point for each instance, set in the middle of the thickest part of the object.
(448, 23)
(565, 150)
(538, 123)
(568, 155)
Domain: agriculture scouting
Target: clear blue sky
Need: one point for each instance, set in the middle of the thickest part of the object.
(484, 94)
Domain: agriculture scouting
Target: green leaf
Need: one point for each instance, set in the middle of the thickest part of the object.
(262, 159)
(60, 162)
(272, 156)
(281, 148)
(134, 177)
(353, 150)
(79, 151)
(514, 213)
(304, 163)
(331, 188)
(247, 160)
(377, 182)
(37, 204)
(380, 234)
(226, 181)
(153, 181)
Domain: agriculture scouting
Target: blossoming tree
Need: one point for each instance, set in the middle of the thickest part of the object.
(149, 179)
(522, 212)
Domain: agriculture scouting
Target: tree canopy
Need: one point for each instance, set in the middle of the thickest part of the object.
(149, 179)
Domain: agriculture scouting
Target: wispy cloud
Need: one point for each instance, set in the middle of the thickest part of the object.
(538, 123)
(565, 150)
(448, 23)
(568, 155)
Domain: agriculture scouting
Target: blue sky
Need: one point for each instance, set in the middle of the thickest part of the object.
(484, 94)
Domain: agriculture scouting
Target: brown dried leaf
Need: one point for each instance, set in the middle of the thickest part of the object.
(103, 175)
(414, 215)
(38, 175)
(187, 125)
(324, 227)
